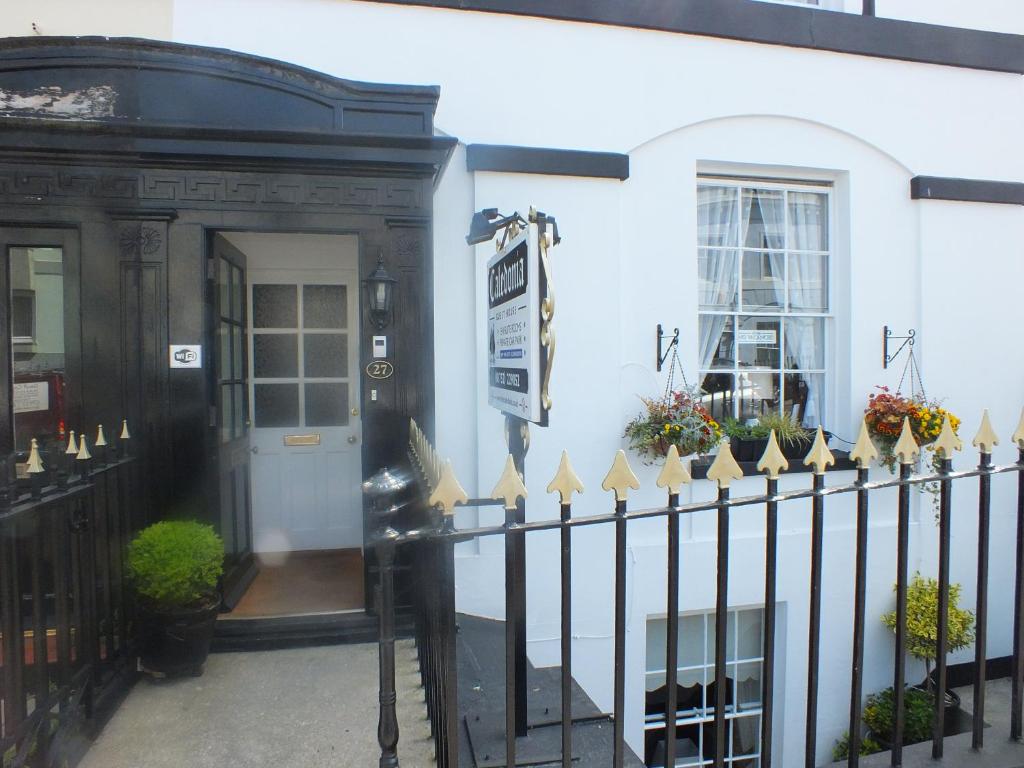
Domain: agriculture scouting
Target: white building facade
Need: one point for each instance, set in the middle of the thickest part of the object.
(829, 161)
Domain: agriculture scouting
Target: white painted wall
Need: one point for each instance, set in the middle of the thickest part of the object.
(679, 105)
(110, 18)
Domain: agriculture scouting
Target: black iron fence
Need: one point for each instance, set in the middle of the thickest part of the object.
(436, 538)
(65, 618)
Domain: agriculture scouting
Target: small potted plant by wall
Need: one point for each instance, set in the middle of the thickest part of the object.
(174, 566)
(677, 419)
(922, 631)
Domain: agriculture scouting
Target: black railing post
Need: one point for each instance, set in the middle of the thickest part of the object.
(859, 612)
(721, 623)
(450, 682)
(518, 444)
(1016, 724)
(868, 7)
(942, 625)
(981, 609)
(566, 635)
(672, 633)
(770, 565)
(387, 725)
(619, 744)
(899, 673)
(511, 655)
(814, 622)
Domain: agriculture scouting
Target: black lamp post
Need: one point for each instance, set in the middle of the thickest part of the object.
(380, 295)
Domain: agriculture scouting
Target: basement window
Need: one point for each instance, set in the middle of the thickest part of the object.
(696, 692)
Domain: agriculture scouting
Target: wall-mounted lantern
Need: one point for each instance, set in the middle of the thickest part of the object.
(380, 295)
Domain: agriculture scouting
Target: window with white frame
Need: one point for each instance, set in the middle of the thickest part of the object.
(764, 256)
(696, 691)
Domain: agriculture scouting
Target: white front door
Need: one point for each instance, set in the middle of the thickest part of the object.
(305, 434)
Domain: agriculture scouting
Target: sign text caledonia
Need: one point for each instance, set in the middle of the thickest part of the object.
(514, 283)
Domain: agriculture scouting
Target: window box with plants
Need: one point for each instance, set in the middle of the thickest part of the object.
(174, 567)
(748, 440)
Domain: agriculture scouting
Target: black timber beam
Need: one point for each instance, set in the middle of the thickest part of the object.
(774, 24)
(549, 162)
(966, 190)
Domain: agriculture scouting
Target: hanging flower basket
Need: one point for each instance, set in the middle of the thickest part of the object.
(676, 419)
(885, 414)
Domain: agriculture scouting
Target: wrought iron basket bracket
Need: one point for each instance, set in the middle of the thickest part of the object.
(663, 356)
(887, 336)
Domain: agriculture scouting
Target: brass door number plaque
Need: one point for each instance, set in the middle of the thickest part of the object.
(313, 439)
(379, 369)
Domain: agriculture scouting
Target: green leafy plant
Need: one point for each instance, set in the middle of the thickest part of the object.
(868, 746)
(739, 430)
(787, 430)
(176, 563)
(918, 709)
(922, 621)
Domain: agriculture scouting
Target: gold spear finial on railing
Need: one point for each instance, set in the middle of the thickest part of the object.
(72, 449)
(724, 469)
(125, 434)
(772, 461)
(101, 439)
(449, 491)
(864, 451)
(986, 438)
(35, 462)
(674, 475)
(819, 457)
(620, 477)
(83, 449)
(906, 448)
(1018, 436)
(565, 481)
(947, 443)
(510, 485)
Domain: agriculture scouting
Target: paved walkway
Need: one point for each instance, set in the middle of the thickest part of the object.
(295, 708)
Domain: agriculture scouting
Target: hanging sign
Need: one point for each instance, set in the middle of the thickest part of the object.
(515, 281)
(31, 396)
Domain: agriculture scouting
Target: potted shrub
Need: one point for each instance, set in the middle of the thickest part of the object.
(174, 567)
(880, 716)
(677, 419)
(922, 631)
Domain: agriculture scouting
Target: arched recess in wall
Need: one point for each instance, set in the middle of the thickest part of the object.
(875, 232)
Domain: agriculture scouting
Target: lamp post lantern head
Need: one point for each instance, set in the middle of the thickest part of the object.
(380, 295)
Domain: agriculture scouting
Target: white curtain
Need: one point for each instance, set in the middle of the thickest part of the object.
(717, 225)
(772, 207)
(808, 281)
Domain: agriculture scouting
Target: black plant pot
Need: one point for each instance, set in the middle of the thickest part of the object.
(176, 643)
(748, 448)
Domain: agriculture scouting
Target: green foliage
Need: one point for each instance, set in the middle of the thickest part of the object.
(176, 563)
(787, 430)
(918, 709)
(922, 619)
(868, 746)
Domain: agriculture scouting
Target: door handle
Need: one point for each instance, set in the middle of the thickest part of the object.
(255, 449)
(355, 411)
(352, 439)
